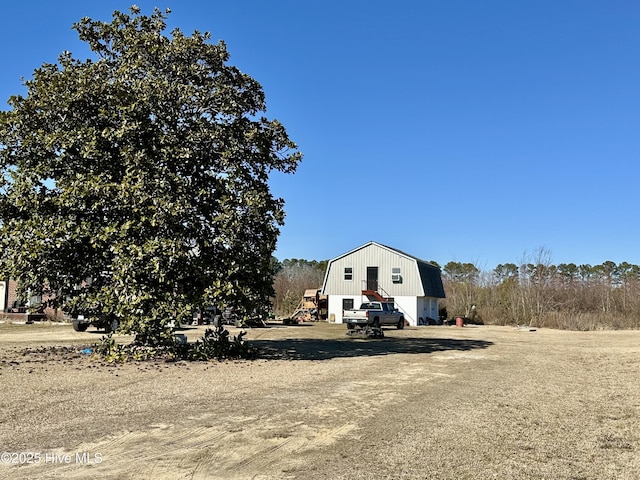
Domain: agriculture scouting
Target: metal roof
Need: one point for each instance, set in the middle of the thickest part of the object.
(429, 273)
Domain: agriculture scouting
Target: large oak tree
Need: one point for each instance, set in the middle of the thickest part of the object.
(135, 184)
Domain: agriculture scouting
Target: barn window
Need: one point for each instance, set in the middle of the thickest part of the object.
(348, 273)
(347, 303)
(396, 276)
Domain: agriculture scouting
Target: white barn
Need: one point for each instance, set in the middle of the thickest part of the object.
(375, 271)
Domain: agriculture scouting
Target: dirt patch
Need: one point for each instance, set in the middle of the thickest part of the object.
(425, 402)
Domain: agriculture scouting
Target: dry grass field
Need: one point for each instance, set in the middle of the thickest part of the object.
(422, 403)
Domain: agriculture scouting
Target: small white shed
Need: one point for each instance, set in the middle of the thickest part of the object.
(375, 271)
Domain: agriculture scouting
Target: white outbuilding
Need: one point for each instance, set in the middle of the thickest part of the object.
(374, 271)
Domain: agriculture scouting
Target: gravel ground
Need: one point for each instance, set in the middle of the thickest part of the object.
(429, 402)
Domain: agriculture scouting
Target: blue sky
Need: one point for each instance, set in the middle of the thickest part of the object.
(453, 130)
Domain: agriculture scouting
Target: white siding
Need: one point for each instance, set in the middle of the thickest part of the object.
(373, 256)
(335, 306)
(427, 308)
(408, 295)
(406, 304)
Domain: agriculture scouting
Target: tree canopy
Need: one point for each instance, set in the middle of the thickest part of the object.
(135, 184)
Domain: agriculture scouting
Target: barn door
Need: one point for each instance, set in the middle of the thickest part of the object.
(372, 278)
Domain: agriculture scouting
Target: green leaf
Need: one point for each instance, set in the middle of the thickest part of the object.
(135, 184)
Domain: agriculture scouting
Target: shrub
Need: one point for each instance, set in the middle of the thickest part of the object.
(215, 344)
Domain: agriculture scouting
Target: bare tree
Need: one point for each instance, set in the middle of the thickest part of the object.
(292, 280)
(461, 282)
(537, 276)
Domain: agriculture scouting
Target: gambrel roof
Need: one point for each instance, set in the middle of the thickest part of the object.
(430, 276)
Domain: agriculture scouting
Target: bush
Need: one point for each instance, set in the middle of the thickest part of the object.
(215, 344)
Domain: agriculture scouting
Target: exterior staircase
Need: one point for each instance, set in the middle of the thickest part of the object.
(374, 295)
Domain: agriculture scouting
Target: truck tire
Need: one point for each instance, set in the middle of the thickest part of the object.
(401, 323)
(376, 323)
(78, 326)
(350, 326)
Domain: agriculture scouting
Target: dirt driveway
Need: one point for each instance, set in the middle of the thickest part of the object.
(424, 402)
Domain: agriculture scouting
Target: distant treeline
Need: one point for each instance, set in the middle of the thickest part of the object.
(539, 293)
(532, 292)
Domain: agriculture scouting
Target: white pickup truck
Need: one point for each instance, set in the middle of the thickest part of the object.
(373, 314)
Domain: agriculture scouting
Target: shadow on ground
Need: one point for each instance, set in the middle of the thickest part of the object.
(314, 349)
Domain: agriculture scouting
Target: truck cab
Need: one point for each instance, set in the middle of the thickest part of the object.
(373, 314)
